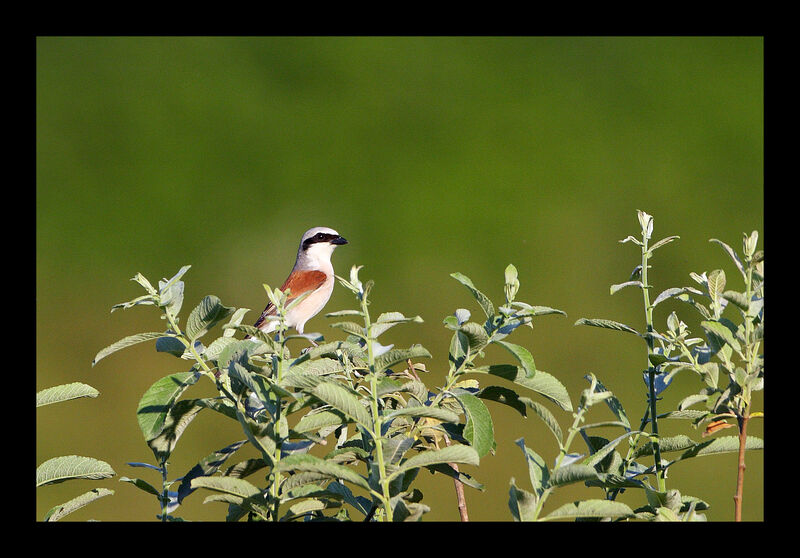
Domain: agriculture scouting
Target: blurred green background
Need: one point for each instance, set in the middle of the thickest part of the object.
(430, 155)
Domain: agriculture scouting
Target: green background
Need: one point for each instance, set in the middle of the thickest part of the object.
(430, 155)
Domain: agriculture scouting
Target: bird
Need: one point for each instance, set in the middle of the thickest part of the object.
(312, 273)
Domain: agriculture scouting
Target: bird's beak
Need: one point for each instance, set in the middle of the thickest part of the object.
(339, 240)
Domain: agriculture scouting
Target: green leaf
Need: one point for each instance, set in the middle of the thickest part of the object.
(67, 467)
(142, 485)
(309, 463)
(344, 400)
(483, 300)
(156, 402)
(239, 488)
(352, 328)
(673, 292)
(522, 355)
(718, 334)
(171, 345)
(393, 356)
(732, 255)
(600, 454)
(126, 342)
(723, 444)
(573, 473)
(206, 467)
(521, 503)
(590, 508)
(205, 315)
(606, 324)
(613, 404)
(66, 508)
(619, 286)
(661, 243)
(391, 319)
(395, 448)
(476, 336)
(537, 468)
(450, 454)
(478, 430)
(542, 382)
(437, 413)
(180, 415)
(64, 392)
(314, 421)
(511, 398)
(739, 299)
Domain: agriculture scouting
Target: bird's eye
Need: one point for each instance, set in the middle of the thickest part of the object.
(320, 236)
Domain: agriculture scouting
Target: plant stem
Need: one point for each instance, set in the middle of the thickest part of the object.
(648, 310)
(377, 419)
(737, 498)
(561, 455)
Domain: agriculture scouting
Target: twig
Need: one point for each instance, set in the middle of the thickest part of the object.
(737, 498)
(462, 503)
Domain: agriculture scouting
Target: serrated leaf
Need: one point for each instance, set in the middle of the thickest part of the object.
(156, 402)
(522, 354)
(590, 508)
(70, 506)
(125, 342)
(205, 315)
(64, 392)
(450, 454)
(478, 430)
(484, 302)
(68, 467)
(606, 324)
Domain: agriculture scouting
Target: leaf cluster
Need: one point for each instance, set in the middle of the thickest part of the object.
(70, 467)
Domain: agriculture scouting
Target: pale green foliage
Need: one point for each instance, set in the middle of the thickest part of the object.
(363, 399)
(343, 427)
(70, 467)
(734, 348)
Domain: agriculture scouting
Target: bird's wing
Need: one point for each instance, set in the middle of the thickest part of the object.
(298, 283)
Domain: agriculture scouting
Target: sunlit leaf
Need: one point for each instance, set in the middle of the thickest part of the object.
(64, 392)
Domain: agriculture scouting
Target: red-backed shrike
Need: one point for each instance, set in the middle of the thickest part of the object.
(312, 273)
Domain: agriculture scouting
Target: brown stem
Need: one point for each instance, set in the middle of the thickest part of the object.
(462, 503)
(737, 498)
